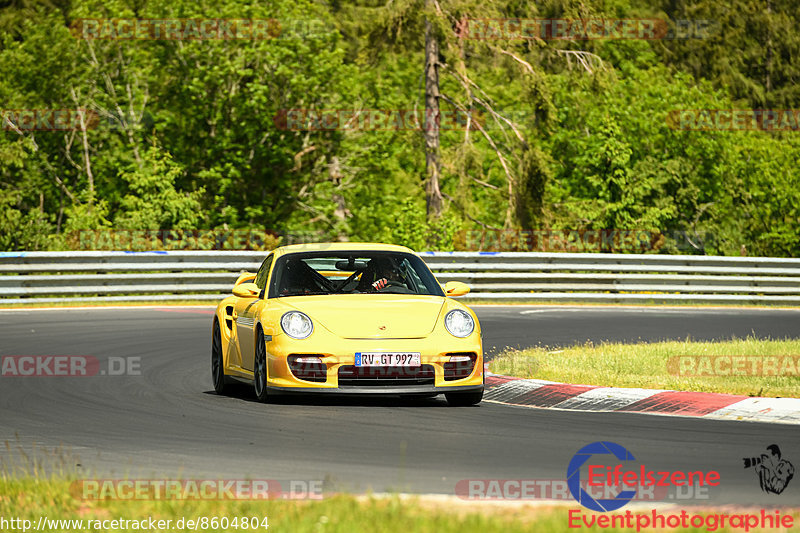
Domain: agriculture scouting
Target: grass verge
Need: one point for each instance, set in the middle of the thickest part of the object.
(674, 365)
(30, 498)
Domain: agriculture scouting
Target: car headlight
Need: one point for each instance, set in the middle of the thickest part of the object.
(296, 324)
(459, 323)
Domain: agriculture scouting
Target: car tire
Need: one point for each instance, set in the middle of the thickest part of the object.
(218, 378)
(462, 399)
(260, 368)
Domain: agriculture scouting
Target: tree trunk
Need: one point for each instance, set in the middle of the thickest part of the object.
(433, 196)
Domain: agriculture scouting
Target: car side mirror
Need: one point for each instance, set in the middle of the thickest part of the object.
(246, 290)
(455, 288)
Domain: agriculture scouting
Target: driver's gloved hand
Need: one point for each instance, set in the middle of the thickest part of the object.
(381, 283)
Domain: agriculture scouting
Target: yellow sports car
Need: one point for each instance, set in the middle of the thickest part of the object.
(347, 318)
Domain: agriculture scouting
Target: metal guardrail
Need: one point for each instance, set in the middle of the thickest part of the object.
(49, 277)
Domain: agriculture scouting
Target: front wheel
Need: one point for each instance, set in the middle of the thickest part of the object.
(260, 368)
(221, 382)
(461, 399)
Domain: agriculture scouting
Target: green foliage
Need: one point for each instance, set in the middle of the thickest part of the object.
(409, 227)
(759, 213)
(152, 201)
(23, 229)
(86, 216)
(621, 166)
(749, 49)
(187, 136)
(535, 173)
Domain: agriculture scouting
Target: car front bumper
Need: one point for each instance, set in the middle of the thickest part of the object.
(339, 354)
(388, 390)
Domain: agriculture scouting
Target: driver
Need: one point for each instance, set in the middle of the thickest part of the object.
(383, 272)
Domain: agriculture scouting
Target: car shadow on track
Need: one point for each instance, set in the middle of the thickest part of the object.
(245, 393)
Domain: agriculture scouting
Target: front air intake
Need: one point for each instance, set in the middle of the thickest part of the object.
(461, 368)
(385, 376)
(308, 367)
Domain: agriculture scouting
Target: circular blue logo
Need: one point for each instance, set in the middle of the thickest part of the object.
(574, 476)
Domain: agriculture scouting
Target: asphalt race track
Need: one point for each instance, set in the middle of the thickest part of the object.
(166, 421)
(563, 326)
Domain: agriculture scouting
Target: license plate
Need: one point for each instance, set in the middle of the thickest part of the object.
(388, 359)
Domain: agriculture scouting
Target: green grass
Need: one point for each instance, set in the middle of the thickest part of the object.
(31, 497)
(645, 365)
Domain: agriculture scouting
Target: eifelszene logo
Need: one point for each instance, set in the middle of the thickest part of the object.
(773, 472)
(613, 478)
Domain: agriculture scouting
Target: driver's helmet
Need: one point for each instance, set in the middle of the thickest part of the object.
(377, 268)
(386, 267)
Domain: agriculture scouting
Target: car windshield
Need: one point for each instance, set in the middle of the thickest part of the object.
(357, 272)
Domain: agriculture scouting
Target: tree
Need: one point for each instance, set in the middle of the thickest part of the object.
(433, 195)
(452, 50)
(152, 201)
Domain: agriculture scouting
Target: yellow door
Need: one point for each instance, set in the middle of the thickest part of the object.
(244, 316)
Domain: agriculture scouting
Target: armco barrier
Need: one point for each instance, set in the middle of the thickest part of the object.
(48, 277)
